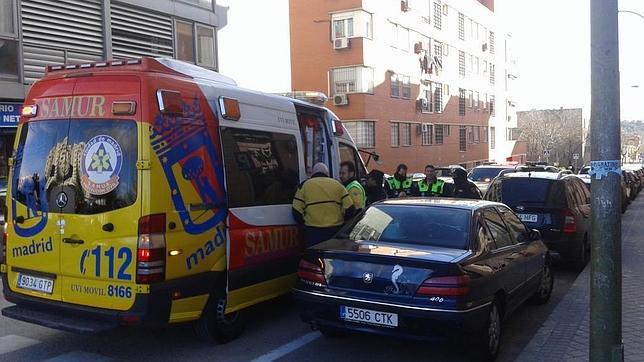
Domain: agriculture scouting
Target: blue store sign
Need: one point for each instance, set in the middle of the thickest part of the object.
(10, 114)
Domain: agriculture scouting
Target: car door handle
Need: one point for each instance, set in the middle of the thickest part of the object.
(73, 241)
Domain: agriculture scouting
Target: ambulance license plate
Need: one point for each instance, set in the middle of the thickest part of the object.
(369, 316)
(38, 284)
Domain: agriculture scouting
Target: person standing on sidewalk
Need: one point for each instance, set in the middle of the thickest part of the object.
(464, 188)
(399, 185)
(322, 205)
(430, 186)
(354, 188)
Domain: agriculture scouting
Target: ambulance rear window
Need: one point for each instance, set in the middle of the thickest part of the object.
(261, 167)
(75, 167)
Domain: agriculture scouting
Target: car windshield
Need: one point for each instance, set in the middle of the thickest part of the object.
(485, 173)
(531, 191)
(442, 227)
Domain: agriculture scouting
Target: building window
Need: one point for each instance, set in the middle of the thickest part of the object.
(461, 26)
(206, 46)
(477, 134)
(201, 3)
(363, 132)
(438, 132)
(470, 134)
(352, 80)
(485, 99)
(406, 134)
(461, 102)
(470, 99)
(438, 15)
(406, 87)
(428, 105)
(343, 28)
(438, 51)
(492, 105)
(9, 49)
(484, 135)
(470, 64)
(491, 42)
(461, 63)
(438, 97)
(7, 13)
(492, 137)
(395, 134)
(462, 141)
(477, 105)
(185, 41)
(426, 134)
(395, 85)
(492, 74)
(403, 38)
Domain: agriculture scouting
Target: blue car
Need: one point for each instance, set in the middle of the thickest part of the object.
(425, 269)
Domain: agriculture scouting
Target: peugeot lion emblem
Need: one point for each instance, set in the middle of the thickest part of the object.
(61, 200)
(520, 208)
(367, 278)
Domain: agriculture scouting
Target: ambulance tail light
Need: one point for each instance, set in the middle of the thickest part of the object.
(229, 108)
(29, 111)
(169, 102)
(150, 256)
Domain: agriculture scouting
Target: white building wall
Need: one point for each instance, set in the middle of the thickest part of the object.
(254, 43)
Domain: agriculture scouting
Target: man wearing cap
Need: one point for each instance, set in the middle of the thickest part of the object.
(464, 188)
(321, 204)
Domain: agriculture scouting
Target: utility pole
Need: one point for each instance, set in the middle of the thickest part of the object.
(606, 255)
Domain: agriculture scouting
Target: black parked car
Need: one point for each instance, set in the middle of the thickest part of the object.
(556, 205)
(425, 269)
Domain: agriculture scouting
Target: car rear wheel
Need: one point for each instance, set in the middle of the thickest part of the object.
(581, 254)
(542, 294)
(216, 325)
(489, 339)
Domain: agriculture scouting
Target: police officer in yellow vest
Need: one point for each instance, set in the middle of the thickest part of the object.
(430, 185)
(322, 204)
(399, 185)
(354, 188)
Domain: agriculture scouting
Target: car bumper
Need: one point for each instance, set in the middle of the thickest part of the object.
(414, 322)
(148, 310)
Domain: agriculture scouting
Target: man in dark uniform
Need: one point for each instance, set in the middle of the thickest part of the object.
(375, 191)
(464, 188)
(399, 185)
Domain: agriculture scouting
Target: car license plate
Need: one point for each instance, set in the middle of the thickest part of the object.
(369, 316)
(528, 217)
(44, 285)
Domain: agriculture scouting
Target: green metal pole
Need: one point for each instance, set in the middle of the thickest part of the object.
(606, 253)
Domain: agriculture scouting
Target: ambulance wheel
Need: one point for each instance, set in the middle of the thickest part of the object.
(216, 325)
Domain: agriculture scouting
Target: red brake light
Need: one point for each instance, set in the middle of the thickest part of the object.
(453, 286)
(570, 225)
(150, 256)
(311, 273)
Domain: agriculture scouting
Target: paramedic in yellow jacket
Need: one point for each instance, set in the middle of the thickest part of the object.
(353, 186)
(322, 204)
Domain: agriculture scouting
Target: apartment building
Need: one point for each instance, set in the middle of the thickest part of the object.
(416, 81)
(35, 33)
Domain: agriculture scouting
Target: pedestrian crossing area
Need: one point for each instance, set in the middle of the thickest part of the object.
(19, 348)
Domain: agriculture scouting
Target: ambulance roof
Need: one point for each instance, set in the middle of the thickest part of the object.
(195, 71)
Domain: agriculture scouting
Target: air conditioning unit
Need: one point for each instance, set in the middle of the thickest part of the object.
(422, 104)
(418, 47)
(484, 47)
(340, 100)
(404, 5)
(341, 43)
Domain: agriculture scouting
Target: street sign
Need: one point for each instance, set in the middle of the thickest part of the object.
(575, 156)
(546, 153)
(9, 114)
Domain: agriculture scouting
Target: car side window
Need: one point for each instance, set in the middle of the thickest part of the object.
(483, 237)
(515, 225)
(571, 194)
(494, 192)
(583, 192)
(497, 228)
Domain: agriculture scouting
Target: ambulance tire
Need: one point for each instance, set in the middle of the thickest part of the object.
(215, 325)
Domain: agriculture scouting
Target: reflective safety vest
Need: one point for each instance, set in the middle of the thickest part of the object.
(322, 202)
(426, 189)
(397, 186)
(357, 193)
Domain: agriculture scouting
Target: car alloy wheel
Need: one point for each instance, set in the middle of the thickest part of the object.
(545, 287)
(494, 330)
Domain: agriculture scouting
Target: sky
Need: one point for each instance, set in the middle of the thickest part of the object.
(551, 41)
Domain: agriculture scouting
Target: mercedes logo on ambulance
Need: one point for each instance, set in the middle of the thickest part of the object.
(61, 200)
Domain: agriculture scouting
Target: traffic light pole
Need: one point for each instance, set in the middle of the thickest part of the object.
(606, 253)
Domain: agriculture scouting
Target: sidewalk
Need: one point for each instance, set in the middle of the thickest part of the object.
(564, 336)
